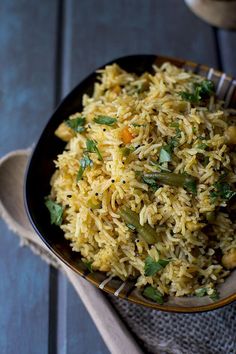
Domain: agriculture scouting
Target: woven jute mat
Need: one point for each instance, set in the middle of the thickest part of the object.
(156, 332)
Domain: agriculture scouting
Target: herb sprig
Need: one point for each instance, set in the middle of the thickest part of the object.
(77, 124)
(106, 120)
(202, 90)
(84, 162)
(91, 146)
(151, 182)
(167, 150)
(56, 211)
(89, 266)
(223, 191)
(153, 294)
(152, 267)
(200, 292)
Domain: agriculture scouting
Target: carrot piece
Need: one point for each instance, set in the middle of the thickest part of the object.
(126, 136)
(117, 89)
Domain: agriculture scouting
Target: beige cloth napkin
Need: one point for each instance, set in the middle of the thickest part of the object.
(114, 332)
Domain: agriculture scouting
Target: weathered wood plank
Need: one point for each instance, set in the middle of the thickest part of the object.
(23, 298)
(27, 61)
(96, 32)
(27, 39)
(103, 30)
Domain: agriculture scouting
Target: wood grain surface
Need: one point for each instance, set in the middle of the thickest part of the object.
(46, 48)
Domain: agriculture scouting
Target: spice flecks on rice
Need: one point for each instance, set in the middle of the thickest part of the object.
(147, 126)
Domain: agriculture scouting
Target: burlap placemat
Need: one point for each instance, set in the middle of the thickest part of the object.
(159, 332)
(167, 333)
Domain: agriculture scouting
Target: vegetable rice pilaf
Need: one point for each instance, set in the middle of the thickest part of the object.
(145, 188)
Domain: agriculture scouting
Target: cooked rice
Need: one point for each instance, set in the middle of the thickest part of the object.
(148, 105)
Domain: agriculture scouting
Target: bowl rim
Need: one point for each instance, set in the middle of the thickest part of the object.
(108, 289)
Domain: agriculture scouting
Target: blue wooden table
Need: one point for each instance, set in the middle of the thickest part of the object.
(46, 48)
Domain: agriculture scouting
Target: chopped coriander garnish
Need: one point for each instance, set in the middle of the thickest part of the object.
(151, 182)
(165, 155)
(84, 162)
(77, 124)
(222, 191)
(159, 166)
(89, 266)
(215, 295)
(166, 150)
(152, 267)
(105, 120)
(204, 291)
(191, 97)
(201, 292)
(153, 294)
(202, 146)
(191, 185)
(92, 147)
(174, 141)
(206, 88)
(201, 91)
(56, 211)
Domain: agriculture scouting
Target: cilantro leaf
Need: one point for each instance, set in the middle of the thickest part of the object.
(92, 147)
(167, 150)
(105, 120)
(201, 90)
(215, 295)
(202, 146)
(89, 266)
(191, 97)
(206, 88)
(151, 182)
(153, 294)
(165, 155)
(201, 292)
(77, 124)
(222, 191)
(152, 267)
(84, 162)
(56, 211)
(204, 291)
(159, 166)
(191, 185)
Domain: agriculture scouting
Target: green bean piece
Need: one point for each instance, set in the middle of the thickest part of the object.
(173, 179)
(145, 231)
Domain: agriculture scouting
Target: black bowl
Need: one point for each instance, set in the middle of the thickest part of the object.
(41, 168)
